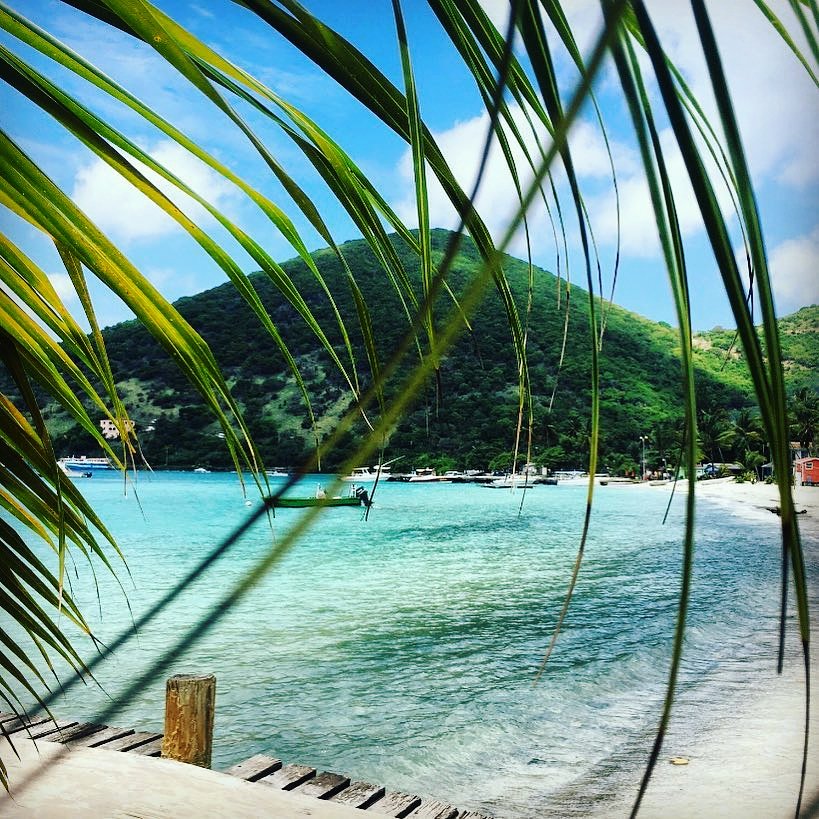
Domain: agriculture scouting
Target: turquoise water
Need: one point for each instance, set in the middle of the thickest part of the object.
(403, 649)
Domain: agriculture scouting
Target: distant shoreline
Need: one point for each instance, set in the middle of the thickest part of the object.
(761, 496)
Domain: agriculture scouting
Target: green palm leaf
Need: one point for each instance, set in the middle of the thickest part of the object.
(44, 347)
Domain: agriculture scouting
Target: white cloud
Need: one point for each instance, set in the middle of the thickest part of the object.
(498, 12)
(794, 266)
(202, 11)
(775, 104)
(61, 282)
(774, 99)
(122, 211)
(638, 227)
(173, 282)
(497, 200)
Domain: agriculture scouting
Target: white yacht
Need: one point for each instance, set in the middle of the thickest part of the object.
(426, 474)
(367, 474)
(82, 463)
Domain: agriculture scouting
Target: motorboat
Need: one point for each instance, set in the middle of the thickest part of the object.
(73, 473)
(82, 463)
(426, 475)
(358, 496)
(366, 474)
(512, 482)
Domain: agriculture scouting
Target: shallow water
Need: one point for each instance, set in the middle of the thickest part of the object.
(403, 649)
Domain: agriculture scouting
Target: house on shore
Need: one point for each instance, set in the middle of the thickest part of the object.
(806, 471)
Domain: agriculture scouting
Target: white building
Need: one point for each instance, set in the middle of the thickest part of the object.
(110, 430)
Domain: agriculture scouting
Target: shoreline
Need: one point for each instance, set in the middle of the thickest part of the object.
(747, 497)
(748, 767)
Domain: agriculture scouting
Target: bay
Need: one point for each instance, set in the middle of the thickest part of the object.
(404, 649)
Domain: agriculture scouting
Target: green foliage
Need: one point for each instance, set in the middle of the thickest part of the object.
(718, 350)
(468, 420)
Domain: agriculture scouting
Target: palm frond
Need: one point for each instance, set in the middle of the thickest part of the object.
(44, 347)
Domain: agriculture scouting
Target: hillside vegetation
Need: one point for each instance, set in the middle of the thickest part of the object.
(468, 419)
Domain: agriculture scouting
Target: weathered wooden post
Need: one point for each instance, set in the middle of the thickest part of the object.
(190, 701)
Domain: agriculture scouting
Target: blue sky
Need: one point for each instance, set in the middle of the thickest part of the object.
(777, 106)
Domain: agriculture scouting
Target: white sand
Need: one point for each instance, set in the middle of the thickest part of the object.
(86, 783)
(756, 497)
(750, 768)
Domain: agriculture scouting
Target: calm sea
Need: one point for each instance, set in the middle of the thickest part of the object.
(403, 649)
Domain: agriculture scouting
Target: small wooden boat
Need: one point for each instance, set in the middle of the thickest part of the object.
(300, 503)
(359, 496)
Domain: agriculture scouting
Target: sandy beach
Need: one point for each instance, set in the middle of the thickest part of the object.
(759, 496)
(748, 769)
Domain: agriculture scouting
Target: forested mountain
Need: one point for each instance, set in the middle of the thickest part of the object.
(468, 418)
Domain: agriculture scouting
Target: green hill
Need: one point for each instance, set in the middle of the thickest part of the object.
(799, 338)
(470, 419)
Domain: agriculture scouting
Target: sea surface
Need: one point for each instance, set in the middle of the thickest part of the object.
(403, 649)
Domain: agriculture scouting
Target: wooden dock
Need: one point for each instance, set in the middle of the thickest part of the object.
(264, 770)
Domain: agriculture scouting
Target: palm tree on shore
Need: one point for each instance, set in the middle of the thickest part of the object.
(715, 432)
(805, 417)
(747, 431)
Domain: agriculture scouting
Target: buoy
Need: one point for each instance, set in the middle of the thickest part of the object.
(679, 760)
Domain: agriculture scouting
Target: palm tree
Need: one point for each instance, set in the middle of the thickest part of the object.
(753, 460)
(747, 431)
(44, 344)
(715, 431)
(804, 412)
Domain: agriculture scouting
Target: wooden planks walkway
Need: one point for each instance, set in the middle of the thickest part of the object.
(375, 799)
(82, 734)
(262, 769)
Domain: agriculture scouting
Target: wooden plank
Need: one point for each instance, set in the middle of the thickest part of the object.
(129, 742)
(78, 731)
(433, 809)
(323, 786)
(152, 748)
(289, 777)
(255, 767)
(359, 795)
(471, 814)
(17, 724)
(5, 716)
(100, 737)
(49, 730)
(396, 803)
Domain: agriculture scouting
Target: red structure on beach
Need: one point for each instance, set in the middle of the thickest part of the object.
(806, 471)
